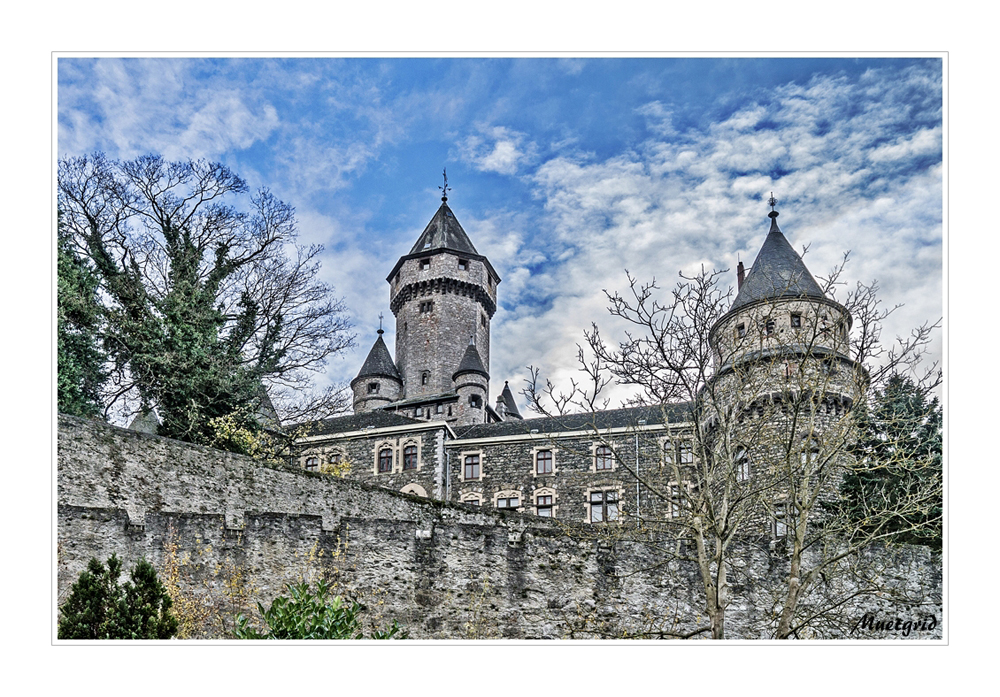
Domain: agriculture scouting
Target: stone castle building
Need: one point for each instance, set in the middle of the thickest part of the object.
(424, 424)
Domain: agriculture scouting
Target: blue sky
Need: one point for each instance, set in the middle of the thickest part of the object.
(564, 172)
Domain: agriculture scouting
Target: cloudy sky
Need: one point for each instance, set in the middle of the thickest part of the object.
(564, 172)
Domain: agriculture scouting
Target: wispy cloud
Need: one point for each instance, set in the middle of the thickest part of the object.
(497, 149)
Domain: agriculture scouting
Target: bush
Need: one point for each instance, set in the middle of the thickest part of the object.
(99, 608)
(308, 615)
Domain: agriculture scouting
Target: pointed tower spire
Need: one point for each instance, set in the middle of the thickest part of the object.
(777, 272)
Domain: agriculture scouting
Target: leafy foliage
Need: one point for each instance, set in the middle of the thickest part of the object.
(205, 292)
(99, 608)
(81, 358)
(894, 489)
(309, 615)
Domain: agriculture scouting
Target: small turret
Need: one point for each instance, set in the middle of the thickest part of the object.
(472, 387)
(379, 382)
(506, 406)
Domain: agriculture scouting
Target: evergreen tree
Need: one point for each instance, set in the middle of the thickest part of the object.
(99, 608)
(81, 358)
(894, 488)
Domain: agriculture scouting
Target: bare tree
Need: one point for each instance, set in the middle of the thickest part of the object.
(772, 392)
(206, 293)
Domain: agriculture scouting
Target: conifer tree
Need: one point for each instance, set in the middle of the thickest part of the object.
(99, 608)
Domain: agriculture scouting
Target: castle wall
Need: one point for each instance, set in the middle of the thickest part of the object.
(443, 570)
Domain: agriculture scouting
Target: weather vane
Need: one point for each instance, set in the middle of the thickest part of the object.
(772, 201)
(445, 188)
(380, 323)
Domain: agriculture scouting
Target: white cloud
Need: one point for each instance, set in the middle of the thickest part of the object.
(497, 149)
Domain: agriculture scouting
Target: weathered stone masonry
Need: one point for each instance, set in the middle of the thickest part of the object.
(443, 567)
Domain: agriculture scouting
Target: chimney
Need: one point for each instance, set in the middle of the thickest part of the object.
(739, 276)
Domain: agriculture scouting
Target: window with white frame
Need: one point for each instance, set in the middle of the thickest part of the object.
(603, 506)
(410, 457)
(668, 453)
(385, 460)
(543, 505)
(685, 452)
(509, 500)
(472, 499)
(543, 462)
(471, 467)
(742, 464)
(674, 507)
(604, 459)
(780, 519)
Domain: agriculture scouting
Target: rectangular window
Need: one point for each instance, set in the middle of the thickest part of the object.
(543, 506)
(463, 265)
(482, 320)
(603, 459)
(675, 501)
(603, 506)
(410, 457)
(438, 408)
(372, 388)
(668, 454)
(686, 453)
(509, 502)
(741, 331)
(472, 467)
(780, 519)
(312, 463)
(427, 306)
(425, 264)
(543, 462)
(796, 320)
(385, 460)
(769, 327)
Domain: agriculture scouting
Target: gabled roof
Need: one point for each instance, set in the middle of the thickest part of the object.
(471, 363)
(507, 399)
(379, 363)
(444, 232)
(777, 272)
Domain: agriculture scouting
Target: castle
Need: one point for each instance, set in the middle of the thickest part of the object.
(423, 423)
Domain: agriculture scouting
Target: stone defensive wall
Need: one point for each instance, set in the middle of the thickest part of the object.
(444, 570)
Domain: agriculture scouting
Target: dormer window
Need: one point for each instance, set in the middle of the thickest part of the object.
(427, 245)
(372, 388)
(425, 264)
(463, 264)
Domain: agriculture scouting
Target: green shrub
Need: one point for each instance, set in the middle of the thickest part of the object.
(99, 608)
(308, 615)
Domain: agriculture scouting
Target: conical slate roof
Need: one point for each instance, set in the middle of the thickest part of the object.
(379, 362)
(471, 363)
(777, 272)
(444, 232)
(507, 398)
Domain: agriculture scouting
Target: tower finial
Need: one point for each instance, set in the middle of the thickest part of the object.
(445, 188)
(773, 214)
(380, 323)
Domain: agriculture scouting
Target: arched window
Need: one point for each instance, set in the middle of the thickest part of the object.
(385, 460)
(604, 459)
(410, 457)
(425, 377)
(543, 462)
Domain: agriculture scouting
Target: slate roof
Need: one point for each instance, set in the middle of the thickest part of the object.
(420, 399)
(507, 398)
(379, 363)
(444, 232)
(777, 272)
(356, 422)
(613, 418)
(471, 363)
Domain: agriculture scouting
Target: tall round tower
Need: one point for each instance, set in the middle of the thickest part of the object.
(441, 293)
